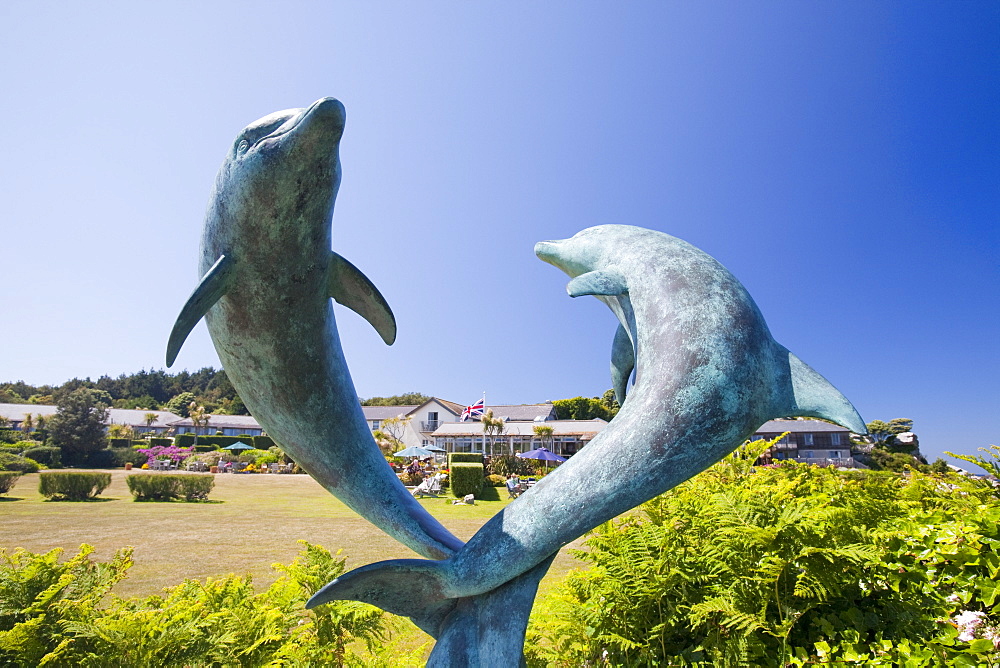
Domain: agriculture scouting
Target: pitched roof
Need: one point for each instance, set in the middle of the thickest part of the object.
(588, 428)
(798, 426)
(385, 412)
(522, 412)
(135, 417)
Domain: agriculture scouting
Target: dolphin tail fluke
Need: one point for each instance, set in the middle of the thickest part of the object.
(814, 396)
(213, 285)
(471, 632)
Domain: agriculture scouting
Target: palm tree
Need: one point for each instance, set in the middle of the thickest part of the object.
(544, 434)
(199, 418)
(150, 419)
(28, 424)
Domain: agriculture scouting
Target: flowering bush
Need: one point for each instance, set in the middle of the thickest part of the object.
(171, 452)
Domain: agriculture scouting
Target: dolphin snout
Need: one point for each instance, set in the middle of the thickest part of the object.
(547, 251)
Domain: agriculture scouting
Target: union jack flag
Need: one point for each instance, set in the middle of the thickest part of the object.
(474, 411)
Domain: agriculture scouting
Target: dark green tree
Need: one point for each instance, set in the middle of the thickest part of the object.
(406, 399)
(583, 408)
(180, 404)
(78, 425)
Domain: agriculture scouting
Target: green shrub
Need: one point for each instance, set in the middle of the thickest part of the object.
(122, 456)
(262, 442)
(208, 447)
(781, 566)
(161, 441)
(7, 481)
(100, 459)
(47, 455)
(166, 487)
(466, 478)
(269, 458)
(26, 444)
(121, 442)
(250, 456)
(186, 440)
(59, 614)
(10, 435)
(72, 485)
(9, 462)
(506, 465)
(496, 480)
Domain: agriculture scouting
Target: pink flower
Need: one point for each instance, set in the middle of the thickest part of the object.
(967, 622)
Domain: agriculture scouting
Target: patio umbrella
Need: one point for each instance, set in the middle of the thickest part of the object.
(238, 445)
(413, 451)
(434, 448)
(543, 454)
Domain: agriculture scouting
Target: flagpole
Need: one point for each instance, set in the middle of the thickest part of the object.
(481, 423)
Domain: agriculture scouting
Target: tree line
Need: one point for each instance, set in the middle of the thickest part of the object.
(145, 390)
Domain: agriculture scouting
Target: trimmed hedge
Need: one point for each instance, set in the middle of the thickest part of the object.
(121, 442)
(466, 478)
(167, 487)
(7, 480)
(465, 457)
(9, 462)
(72, 485)
(263, 442)
(47, 455)
(159, 440)
(187, 440)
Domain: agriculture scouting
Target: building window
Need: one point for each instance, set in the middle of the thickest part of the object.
(835, 438)
(375, 424)
(834, 454)
(808, 439)
(809, 454)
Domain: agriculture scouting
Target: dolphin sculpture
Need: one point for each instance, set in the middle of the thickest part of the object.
(267, 278)
(707, 374)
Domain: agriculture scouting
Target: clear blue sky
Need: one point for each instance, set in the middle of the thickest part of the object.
(841, 159)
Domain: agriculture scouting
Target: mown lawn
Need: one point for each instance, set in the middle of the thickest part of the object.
(251, 522)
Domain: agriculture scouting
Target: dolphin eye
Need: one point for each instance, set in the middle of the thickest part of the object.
(242, 147)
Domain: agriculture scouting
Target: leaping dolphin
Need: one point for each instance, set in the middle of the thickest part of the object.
(707, 375)
(268, 276)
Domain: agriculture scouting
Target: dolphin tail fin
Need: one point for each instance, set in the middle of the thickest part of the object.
(486, 629)
(349, 287)
(816, 397)
(212, 286)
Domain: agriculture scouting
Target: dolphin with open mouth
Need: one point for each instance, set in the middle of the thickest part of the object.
(707, 374)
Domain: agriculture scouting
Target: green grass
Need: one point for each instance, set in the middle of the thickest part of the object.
(251, 522)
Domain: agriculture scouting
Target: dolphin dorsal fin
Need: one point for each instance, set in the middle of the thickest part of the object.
(212, 286)
(348, 286)
(622, 363)
(599, 283)
(816, 397)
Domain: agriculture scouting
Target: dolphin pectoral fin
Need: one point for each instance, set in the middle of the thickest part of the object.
(349, 287)
(622, 363)
(598, 283)
(407, 587)
(212, 286)
(816, 397)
